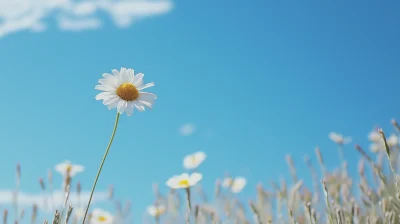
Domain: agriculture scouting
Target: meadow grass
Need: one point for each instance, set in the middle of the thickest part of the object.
(335, 197)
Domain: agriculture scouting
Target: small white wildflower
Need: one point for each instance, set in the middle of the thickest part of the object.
(339, 139)
(393, 140)
(100, 216)
(379, 144)
(68, 169)
(184, 180)
(192, 161)
(156, 210)
(236, 185)
(374, 136)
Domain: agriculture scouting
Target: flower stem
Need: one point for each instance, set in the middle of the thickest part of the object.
(101, 166)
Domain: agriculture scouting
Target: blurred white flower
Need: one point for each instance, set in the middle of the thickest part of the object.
(156, 210)
(374, 136)
(184, 180)
(339, 139)
(100, 216)
(192, 161)
(379, 144)
(227, 182)
(123, 90)
(236, 185)
(374, 147)
(68, 169)
(393, 140)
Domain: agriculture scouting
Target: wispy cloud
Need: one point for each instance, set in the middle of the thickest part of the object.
(52, 200)
(79, 24)
(187, 129)
(76, 15)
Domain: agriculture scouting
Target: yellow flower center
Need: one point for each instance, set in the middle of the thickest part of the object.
(69, 168)
(193, 160)
(128, 92)
(184, 183)
(102, 218)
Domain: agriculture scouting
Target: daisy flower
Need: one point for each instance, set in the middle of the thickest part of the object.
(192, 161)
(339, 139)
(100, 216)
(393, 140)
(68, 169)
(123, 90)
(236, 185)
(184, 180)
(156, 210)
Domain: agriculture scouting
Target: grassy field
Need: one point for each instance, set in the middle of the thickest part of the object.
(336, 197)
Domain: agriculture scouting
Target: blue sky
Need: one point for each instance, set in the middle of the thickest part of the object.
(258, 80)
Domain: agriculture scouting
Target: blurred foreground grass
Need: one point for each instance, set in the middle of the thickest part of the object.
(336, 198)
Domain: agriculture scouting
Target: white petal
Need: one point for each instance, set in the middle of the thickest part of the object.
(138, 80)
(111, 100)
(148, 85)
(138, 105)
(392, 141)
(131, 75)
(374, 136)
(122, 104)
(147, 99)
(238, 184)
(62, 168)
(195, 178)
(124, 75)
(105, 88)
(109, 79)
(76, 169)
(129, 109)
(115, 72)
(188, 162)
(335, 137)
(184, 176)
(104, 95)
(112, 104)
(173, 182)
(152, 210)
(200, 157)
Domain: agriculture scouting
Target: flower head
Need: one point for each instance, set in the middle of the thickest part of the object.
(236, 185)
(374, 136)
(156, 210)
(339, 139)
(100, 216)
(68, 169)
(192, 161)
(379, 144)
(184, 180)
(123, 90)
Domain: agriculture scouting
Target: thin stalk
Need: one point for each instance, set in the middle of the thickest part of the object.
(101, 166)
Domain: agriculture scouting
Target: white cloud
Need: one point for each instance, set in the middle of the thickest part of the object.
(57, 199)
(79, 24)
(187, 129)
(18, 15)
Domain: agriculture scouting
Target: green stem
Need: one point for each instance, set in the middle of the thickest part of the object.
(101, 166)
